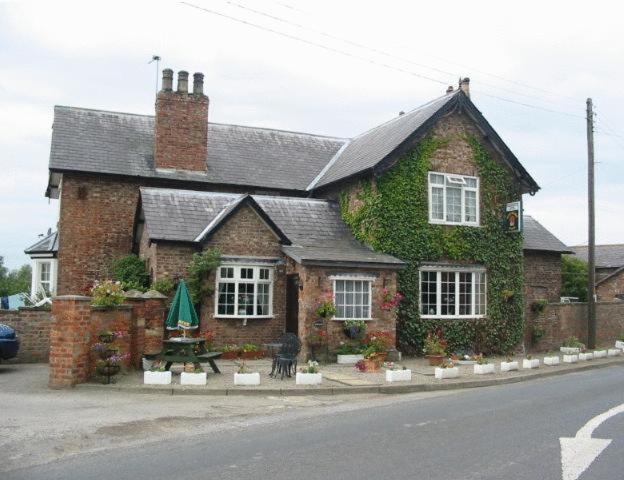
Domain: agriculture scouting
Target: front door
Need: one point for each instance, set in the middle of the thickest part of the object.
(292, 304)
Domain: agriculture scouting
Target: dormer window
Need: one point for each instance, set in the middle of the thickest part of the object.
(453, 199)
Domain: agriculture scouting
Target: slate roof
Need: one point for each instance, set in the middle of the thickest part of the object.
(47, 244)
(120, 143)
(537, 237)
(606, 256)
(313, 227)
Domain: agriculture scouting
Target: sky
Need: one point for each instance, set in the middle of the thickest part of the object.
(335, 68)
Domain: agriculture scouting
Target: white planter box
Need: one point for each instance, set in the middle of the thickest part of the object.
(600, 353)
(193, 378)
(508, 366)
(398, 375)
(552, 361)
(349, 359)
(247, 378)
(585, 356)
(441, 373)
(309, 378)
(157, 378)
(483, 369)
(570, 350)
(613, 352)
(530, 363)
(570, 358)
(619, 344)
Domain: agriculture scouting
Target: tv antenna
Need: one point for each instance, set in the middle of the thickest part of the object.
(156, 58)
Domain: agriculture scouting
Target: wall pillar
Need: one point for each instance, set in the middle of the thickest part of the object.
(154, 310)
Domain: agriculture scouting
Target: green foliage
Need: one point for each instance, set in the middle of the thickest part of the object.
(573, 278)
(164, 286)
(131, 272)
(390, 213)
(107, 294)
(572, 342)
(538, 306)
(202, 264)
(14, 281)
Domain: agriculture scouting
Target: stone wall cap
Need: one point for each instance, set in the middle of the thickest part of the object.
(154, 294)
(133, 294)
(82, 298)
(111, 307)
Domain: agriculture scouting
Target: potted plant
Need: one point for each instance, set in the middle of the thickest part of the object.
(230, 352)
(551, 359)
(571, 345)
(600, 353)
(435, 348)
(354, 329)
(325, 307)
(584, 356)
(394, 373)
(483, 366)
(446, 370)
(619, 343)
(509, 365)
(376, 345)
(157, 375)
(250, 351)
(108, 336)
(530, 362)
(570, 357)
(613, 352)
(195, 377)
(349, 353)
(309, 375)
(245, 376)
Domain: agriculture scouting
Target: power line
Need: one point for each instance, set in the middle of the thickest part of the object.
(365, 59)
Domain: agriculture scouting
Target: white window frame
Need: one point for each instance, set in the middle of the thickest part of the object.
(237, 280)
(353, 278)
(36, 286)
(440, 270)
(459, 181)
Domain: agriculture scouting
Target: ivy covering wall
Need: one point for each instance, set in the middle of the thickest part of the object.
(390, 213)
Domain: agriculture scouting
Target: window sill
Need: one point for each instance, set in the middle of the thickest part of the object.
(453, 224)
(242, 317)
(357, 319)
(453, 317)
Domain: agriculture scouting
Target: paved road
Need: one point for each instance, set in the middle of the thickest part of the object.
(505, 432)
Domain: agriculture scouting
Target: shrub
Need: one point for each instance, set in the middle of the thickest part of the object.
(131, 272)
(202, 264)
(572, 342)
(573, 278)
(164, 286)
(435, 344)
(107, 294)
(346, 348)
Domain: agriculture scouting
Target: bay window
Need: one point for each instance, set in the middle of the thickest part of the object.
(453, 199)
(244, 291)
(452, 293)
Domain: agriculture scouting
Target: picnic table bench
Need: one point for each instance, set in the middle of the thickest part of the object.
(186, 350)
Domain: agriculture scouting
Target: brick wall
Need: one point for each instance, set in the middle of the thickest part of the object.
(608, 290)
(95, 228)
(246, 234)
(33, 329)
(562, 320)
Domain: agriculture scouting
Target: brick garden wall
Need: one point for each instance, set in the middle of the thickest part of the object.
(33, 329)
(608, 290)
(562, 320)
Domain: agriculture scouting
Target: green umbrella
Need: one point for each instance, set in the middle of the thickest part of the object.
(182, 314)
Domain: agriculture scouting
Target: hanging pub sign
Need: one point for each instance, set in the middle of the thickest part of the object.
(513, 216)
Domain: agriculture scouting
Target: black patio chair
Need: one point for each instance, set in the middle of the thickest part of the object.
(285, 361)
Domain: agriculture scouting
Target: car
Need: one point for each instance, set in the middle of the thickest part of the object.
(9, 342)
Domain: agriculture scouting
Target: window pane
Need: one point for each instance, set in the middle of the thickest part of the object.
(465, 293)
(264, 274)
(447, 304)
(428, 287)
(437, 203)
(247, 273)
(453, 204)
(340, 286)
(262, 307)
(226, 299)
(227, 272)
(471, 182)
(480, 294)
(245, 298)
(471, 206)
(436, 178)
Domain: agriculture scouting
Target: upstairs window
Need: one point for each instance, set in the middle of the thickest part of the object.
(45, 277)
(453, 199)
(244, 292)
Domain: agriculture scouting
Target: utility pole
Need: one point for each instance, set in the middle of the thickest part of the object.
(591, 267)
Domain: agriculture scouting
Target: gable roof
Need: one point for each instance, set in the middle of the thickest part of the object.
(375, 149)
(47, 244)
(314, 228)
(605, 256)
(123, 144)
(536, 237)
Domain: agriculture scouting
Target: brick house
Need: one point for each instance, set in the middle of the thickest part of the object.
(609, 260)
(274, 203)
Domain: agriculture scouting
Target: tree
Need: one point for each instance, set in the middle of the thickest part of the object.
(131, 272)
(14, 281)
(573, 278)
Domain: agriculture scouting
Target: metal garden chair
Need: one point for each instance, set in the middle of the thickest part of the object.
(285, 361)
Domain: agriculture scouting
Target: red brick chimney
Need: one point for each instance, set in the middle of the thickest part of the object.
(181, 130)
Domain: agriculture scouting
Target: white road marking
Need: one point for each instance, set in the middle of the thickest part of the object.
(578, 453)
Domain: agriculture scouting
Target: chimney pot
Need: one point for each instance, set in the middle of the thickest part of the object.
(464, 84)
(167, 80)
(449, 89)
(182, 81)
(198, 83)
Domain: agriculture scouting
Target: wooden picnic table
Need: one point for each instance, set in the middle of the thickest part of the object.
(187, 350)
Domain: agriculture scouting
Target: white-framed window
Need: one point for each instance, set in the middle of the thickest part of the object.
(352, 297)
(45, 277)
(453, 199)
(244, 291)
(452, 293)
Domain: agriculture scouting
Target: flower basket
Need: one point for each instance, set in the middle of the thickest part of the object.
(187, 378)
(442, 373)
(371, 365)
(398, 375)
(308, 378)
(613, 352)
(551, 361)
(108, 370)
(570, 358)
(600, 353)
(508, 366)
(353, 332)
(435, 360)
(247, 378)
(530, 363)
(106, 337)
(483, 369)
(157, 378)
(585, 356)
(229, 355)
